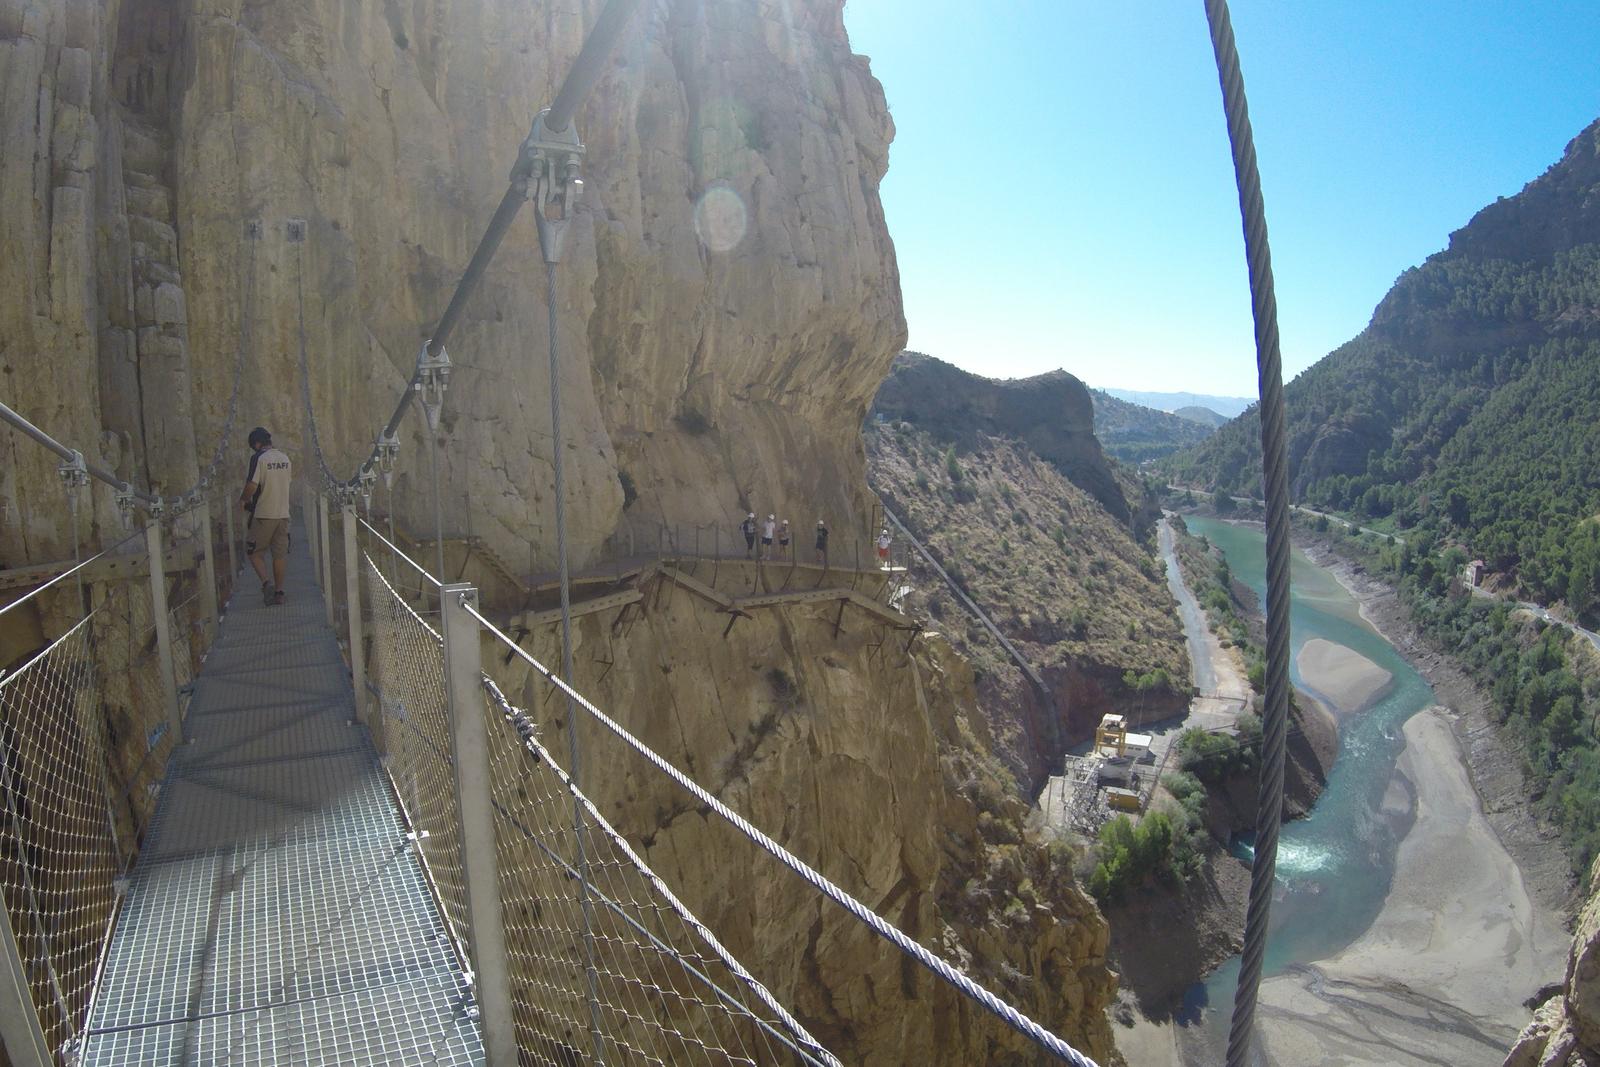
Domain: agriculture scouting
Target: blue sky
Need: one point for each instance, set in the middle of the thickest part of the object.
(1060, 191)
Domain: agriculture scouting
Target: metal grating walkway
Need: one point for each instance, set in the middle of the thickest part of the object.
(277, 914)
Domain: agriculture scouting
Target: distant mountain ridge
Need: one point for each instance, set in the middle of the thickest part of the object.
(1470, 405)
(1050, 413)
(1227, 406)
(1134, 433)
(1204, 416)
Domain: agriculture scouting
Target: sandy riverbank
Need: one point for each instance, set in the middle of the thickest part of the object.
(1493, 767)
(1346, 680)
(1442, 973)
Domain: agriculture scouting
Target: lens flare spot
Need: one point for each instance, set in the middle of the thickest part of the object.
(720, 219)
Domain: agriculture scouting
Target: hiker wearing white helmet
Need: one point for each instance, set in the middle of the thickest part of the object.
(767, 530)
(883, 548)
(783, 540)
(748, 528)
(822, 542)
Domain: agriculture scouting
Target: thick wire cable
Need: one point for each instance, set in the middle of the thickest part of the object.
(305, 371)
(966, 986)
(573, 748)
(1274, 469)
(395, 550)
(64, 575)
(809, 1049)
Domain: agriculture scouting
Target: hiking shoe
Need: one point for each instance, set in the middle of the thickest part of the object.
(267, 593)
(277, 598)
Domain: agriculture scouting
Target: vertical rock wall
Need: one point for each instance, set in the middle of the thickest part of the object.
(191, 185)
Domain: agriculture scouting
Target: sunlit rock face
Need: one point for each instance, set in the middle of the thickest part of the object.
(293, 187)
(728, 300)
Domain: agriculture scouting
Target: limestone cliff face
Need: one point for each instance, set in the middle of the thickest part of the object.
(728, 304)
(870, 761)
(1565, 1031)
(276, 181)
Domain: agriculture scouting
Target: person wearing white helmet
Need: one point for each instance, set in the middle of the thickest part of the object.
(783, 540)
(748, 528)
(822, 543)
(883, 548)
(767, 530)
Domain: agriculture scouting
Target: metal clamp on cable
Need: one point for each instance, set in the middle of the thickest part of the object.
(365, 480)
(548, 163)
(74, 475)
(388, 453)
(123, 495)
(433, 378)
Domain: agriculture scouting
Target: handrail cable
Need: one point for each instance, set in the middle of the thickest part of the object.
(396, 550)
(30, 594)
(1005, 1012)
(812, 1053)
(1274, 466)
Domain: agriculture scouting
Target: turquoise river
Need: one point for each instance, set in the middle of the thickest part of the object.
(1335, 865)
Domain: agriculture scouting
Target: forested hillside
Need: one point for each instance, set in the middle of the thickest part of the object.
(1470, 406)
(1134, 433)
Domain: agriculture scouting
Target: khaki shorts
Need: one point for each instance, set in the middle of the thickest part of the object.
(268, 533)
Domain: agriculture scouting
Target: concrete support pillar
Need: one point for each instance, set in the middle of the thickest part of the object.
(324, 556)
(233, 558)
(358, 651)
(470, 738)
(25, 1044)
(208, 572)
(158, 609)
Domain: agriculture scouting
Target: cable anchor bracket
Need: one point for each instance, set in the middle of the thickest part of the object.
(365, 480)
(548, 164)
(388, 450)
(433, 379)
(123, 495)
(74, 472)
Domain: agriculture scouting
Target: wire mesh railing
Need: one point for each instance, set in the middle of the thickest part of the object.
(633, 977)
(59, 855)
(408, 677)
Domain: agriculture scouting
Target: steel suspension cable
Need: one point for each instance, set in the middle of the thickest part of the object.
(564, 579)
(879, 925)
(1274, 469)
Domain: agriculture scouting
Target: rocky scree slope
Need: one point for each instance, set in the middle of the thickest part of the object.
(1051, 414)
(1079, 596)
(181, 182)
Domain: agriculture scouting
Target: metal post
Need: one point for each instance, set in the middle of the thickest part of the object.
(309, 511)
(463, 677)
(25, 1043)
(324, 556)
(352, 596)
(158, 609)
(233, 558)
(208, 573)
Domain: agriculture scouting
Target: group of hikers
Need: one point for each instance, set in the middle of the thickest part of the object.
(265, 498)
(775, 529)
